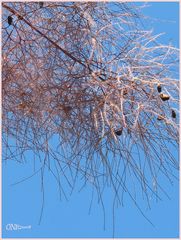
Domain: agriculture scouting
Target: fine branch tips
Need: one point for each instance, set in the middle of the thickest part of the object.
(91, 95)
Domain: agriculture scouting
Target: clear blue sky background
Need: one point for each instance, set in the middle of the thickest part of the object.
(22, 203)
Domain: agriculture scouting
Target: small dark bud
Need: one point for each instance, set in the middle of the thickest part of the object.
(125, 91)
(41, 4)
(159, 88)
(173, 114)
(119, 132)
(10, 20)
(164, 97)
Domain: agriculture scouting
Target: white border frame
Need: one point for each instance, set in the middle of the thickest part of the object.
(177, 1)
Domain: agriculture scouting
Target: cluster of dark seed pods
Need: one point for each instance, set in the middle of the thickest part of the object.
(164, 97)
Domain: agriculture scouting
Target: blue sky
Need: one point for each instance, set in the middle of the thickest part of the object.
(71, 218)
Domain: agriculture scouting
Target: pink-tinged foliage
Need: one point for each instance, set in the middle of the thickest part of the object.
(90, 93)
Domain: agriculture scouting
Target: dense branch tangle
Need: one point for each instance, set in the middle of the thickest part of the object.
(87, 76)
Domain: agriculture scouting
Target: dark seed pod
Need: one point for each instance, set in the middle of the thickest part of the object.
(41, 4)
(125, 91)
(159, 88)
(164, 97)
(173, 114)
(119, 132)
(10, 20)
